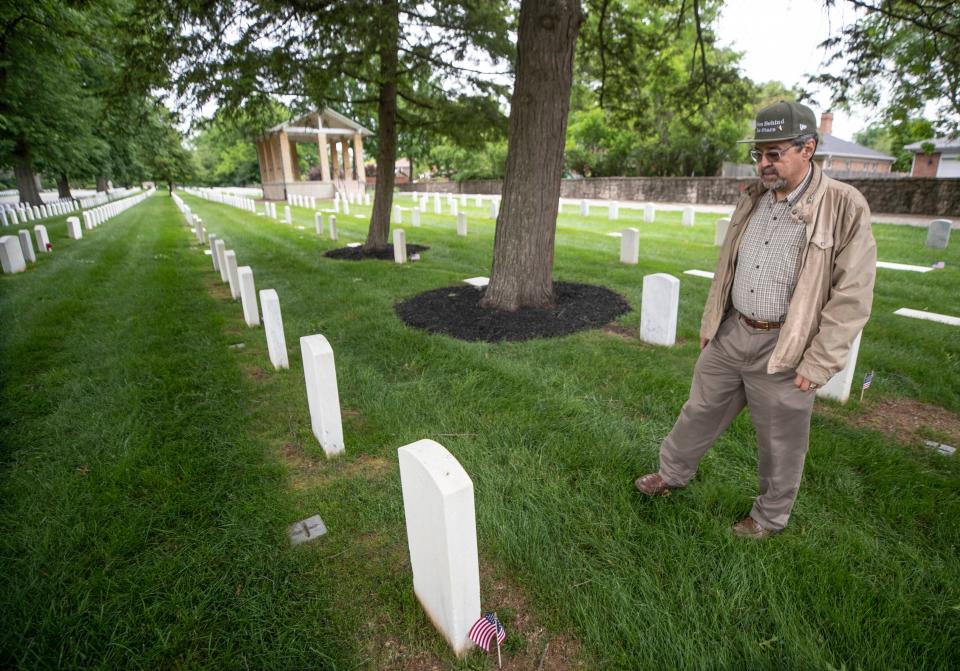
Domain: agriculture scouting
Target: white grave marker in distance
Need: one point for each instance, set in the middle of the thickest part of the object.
(318, 222)
(43, 240)
(320, 376)
(613, 211)
(649, 213)
(26, 246)
(688, 216)
(248, 296)
(415, 216)
(230, 257)
(938, 233)
(212, 239)
(273, 327)
(442, 539)
(462, 224)
(73, 228)
(838, 387)
(630, 246)
(659, 309)
(723, 223)
(11, 255)
(219, 250)
(333, 226)
(436, 204)
(584, 208)
(397, 215)
(287, 217)
(399, 245)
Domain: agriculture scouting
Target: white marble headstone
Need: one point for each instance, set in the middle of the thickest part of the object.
(630, 246)
(649, 213)
(212, 239)
(43, 240)
(332, 221)
(838, 387)
(219, 248)
(273, 327)
(26, 246)
(442, 539)
(659, 309)
(415, 216)
(320, 375)
(73, 228)
(248, 296)
(613, 211)
(938, 233)
(399, 245)
(462, 224)
(720, 232)
(11, 255)
(688, 216)
(230, 258)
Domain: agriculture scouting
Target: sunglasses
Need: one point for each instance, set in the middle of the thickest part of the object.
(772, 155)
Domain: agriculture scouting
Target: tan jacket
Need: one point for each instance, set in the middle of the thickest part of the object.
(834, 292)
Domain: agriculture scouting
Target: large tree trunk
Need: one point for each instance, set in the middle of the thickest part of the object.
(23, 172)
(379, 230)
(63, 186)
(526, 227)
(102, 184)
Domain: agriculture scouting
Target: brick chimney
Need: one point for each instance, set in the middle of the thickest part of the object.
(826, 122)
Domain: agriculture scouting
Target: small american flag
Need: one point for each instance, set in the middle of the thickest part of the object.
(483, 630)
(867, 379)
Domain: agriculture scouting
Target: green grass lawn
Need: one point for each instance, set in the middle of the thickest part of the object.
(152, 460)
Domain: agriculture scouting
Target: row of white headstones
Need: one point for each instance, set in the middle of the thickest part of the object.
(17, 252)
(437, 492)
(21, 214)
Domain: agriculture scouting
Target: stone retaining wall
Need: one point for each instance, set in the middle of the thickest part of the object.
(904, 195)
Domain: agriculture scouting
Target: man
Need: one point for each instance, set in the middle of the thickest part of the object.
(793, 287)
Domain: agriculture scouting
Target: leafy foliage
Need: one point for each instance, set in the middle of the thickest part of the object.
(890, 138)
(901, 56)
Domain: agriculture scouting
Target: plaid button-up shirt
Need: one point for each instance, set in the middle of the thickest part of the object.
(768, 257)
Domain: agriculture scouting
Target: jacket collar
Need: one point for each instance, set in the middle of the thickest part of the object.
(805, 205)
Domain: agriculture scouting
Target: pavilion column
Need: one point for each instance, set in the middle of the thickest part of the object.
(294, 163)
(324, 159)
(262, 161)
(272, 158)
(334, 161)
(347, 163)
(358, 157)
(286, 165)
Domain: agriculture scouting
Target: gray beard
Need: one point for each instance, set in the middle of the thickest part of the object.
(776, 186)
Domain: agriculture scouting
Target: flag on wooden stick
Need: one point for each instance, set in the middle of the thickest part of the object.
(483, 630)
(867, 379)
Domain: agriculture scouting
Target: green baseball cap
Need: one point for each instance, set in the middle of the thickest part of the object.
(783, 121)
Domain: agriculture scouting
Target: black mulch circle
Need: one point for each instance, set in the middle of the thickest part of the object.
(357, 253)
(456, 312)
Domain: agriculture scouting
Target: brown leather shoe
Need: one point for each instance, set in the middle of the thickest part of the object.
(750, 528)
(652, 484)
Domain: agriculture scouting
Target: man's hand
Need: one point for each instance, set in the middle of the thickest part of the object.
(703, 343)
(803, 383)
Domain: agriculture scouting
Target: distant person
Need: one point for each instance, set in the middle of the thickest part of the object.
(793, 287)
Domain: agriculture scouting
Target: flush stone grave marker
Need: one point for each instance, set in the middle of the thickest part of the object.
(630, 246)
(273, 326)
(320, 375)
(938, 233)
(442, 539)
(659, 309)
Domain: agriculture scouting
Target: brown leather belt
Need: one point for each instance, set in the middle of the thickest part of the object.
(763, 326)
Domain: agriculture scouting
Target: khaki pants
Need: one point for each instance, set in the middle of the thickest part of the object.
(731, 373)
